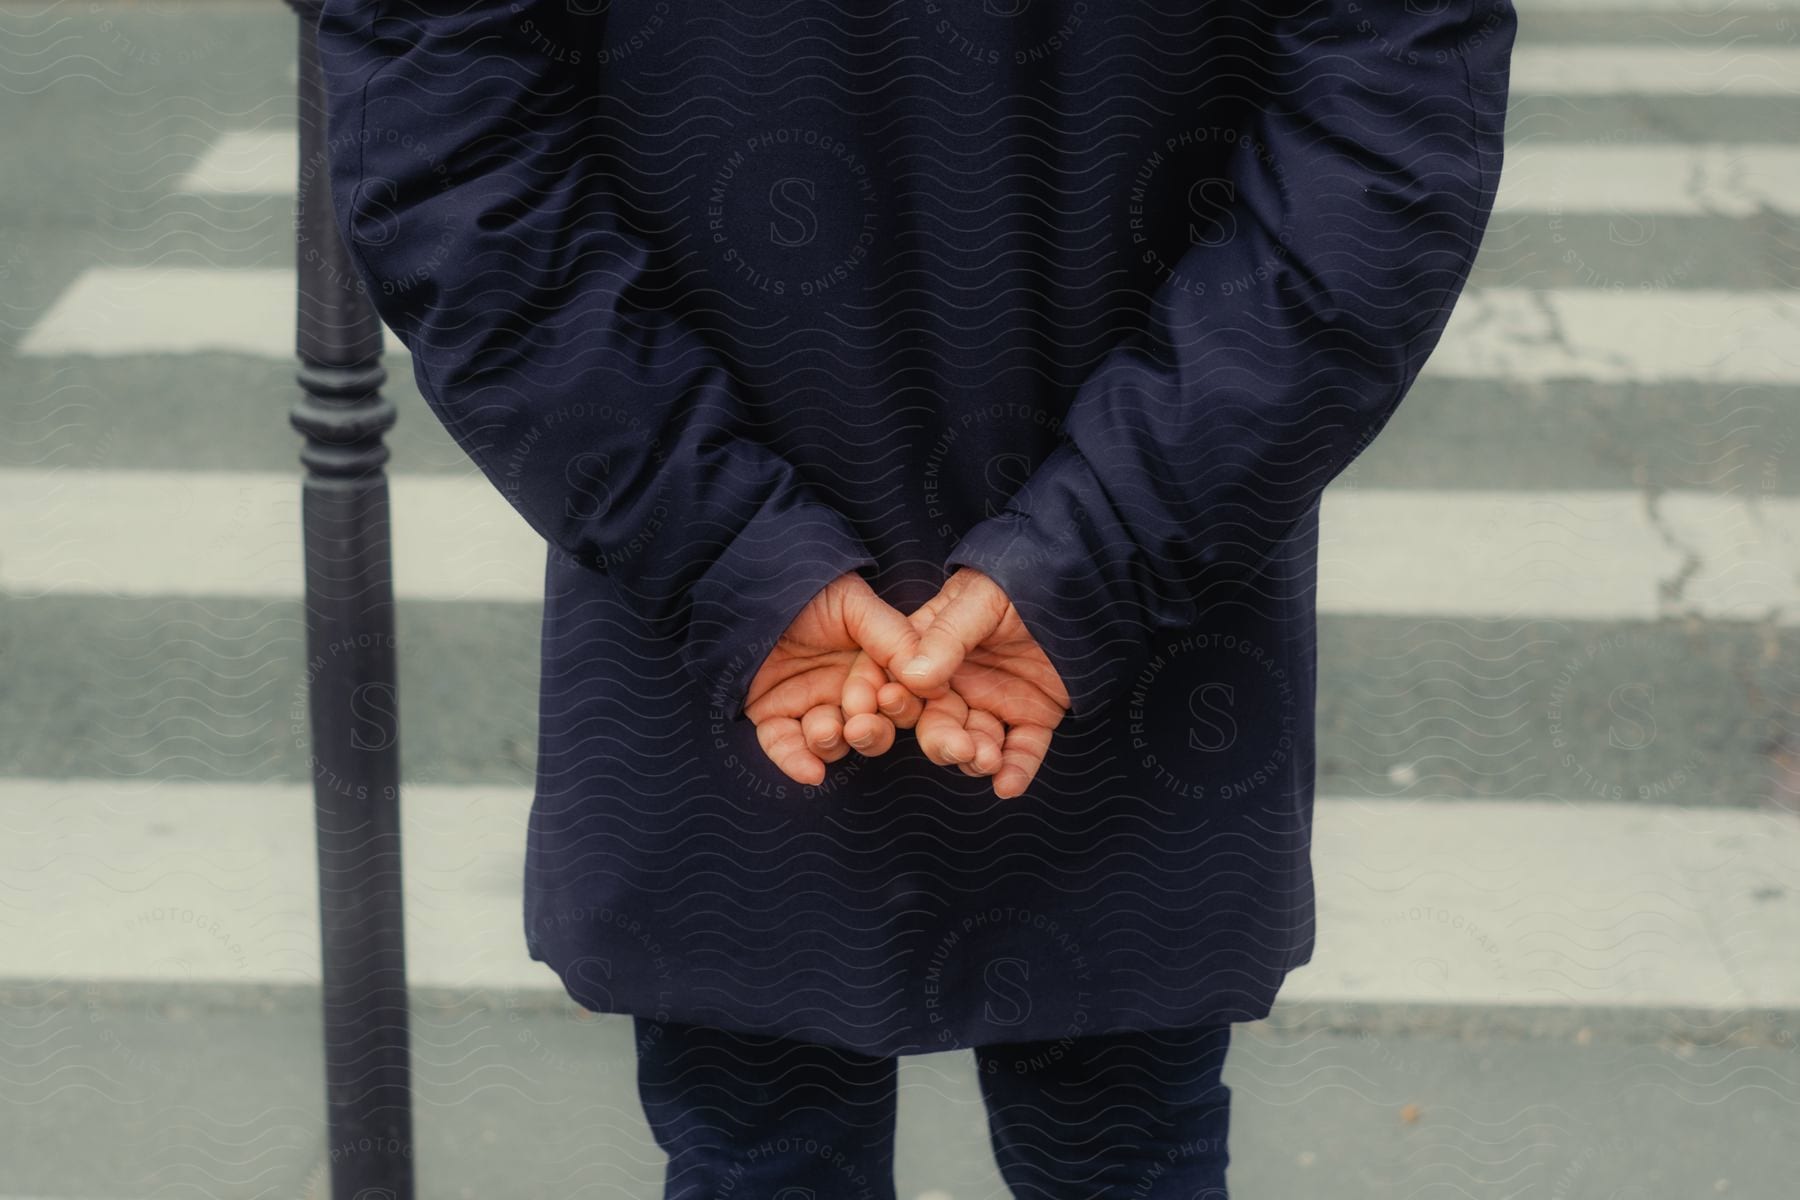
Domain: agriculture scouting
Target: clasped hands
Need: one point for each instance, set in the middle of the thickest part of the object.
(962, 672)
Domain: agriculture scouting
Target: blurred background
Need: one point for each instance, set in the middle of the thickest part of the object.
(1558, 834)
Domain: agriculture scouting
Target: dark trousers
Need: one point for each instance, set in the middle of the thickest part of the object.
(1139, 1115)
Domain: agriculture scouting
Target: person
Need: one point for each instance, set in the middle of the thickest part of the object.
(926, 409)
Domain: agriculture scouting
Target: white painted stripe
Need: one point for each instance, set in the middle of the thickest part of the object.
(1673, 178)
(1651, 180)
(1465, 902)
(1627, 8)
(216, 884)
(1600, 555)
(1734, 69)
(1700, 335)
(169, 310)
(173, 533)
(1638, 336)
(1527, 902)
(247, 162)
(113, 311)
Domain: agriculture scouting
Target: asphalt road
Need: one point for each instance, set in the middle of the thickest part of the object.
(130, 1097)
(121, 1094)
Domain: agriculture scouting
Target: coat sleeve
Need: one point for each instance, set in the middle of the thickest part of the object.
(1200, 441)
(463, 171)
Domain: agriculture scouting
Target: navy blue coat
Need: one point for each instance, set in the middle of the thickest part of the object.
(728, 299)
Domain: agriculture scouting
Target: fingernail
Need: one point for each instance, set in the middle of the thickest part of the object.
(918, 666)
(827, 743)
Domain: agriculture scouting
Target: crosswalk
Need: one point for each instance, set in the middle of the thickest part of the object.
(1558, 712)
(1717, 557)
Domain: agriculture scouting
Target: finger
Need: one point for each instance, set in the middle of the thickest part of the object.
(784, 743)
(899, 705)
(989, 733)
(941, 734)
(883, 631)
(965, 621)
(866, 728)
(823, 726)
(869, 735)
(861, 686)
(1022, 755)
(796, 694)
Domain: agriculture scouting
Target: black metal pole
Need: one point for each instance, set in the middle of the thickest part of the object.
(351, 683)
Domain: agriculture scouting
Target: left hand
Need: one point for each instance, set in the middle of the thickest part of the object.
(793, 698)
